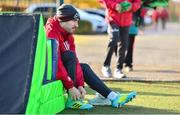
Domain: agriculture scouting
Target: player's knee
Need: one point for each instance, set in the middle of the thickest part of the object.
(85, 66)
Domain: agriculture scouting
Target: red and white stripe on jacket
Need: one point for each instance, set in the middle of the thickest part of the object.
(66, 45)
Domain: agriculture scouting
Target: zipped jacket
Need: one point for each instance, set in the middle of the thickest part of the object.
(66, 43)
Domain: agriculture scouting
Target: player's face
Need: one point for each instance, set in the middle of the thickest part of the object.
(70, 26)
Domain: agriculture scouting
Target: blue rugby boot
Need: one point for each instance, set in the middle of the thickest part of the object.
(122, 99)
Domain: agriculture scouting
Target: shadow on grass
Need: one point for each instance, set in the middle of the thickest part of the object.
(142, 93)
(145, 93)
(156, 94)
(157, 71)
(128, 109)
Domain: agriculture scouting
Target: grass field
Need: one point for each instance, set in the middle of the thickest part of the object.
(152, 98)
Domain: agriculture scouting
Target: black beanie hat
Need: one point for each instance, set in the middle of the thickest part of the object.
(67, 12)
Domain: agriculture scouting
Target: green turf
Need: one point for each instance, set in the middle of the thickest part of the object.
(152, 98)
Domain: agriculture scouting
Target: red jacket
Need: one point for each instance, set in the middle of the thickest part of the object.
(66, 42)
(121, 19)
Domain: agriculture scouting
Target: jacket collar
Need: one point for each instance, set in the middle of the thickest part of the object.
(59, 28)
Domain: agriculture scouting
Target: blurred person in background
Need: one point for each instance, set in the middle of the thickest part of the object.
(129, 56)
(155, 18)
(164, 16)
(119, 18)
(134, 30)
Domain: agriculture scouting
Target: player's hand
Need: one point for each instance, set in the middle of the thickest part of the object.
(82, 91)
(74, 93)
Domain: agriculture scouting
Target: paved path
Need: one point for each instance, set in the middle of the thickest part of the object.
(156, 54)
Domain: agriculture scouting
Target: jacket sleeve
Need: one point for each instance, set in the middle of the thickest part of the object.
(136, 4)
(80, 76)
(63, 75)
(108, 4)
(61, 71)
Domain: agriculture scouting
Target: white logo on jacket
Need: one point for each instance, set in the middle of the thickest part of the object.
(66, 45)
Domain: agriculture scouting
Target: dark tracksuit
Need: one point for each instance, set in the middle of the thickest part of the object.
(129, 56)
(118, 39)
(132, 34)
(69, 61)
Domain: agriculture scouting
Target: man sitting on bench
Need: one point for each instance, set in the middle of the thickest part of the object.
(69, 70)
